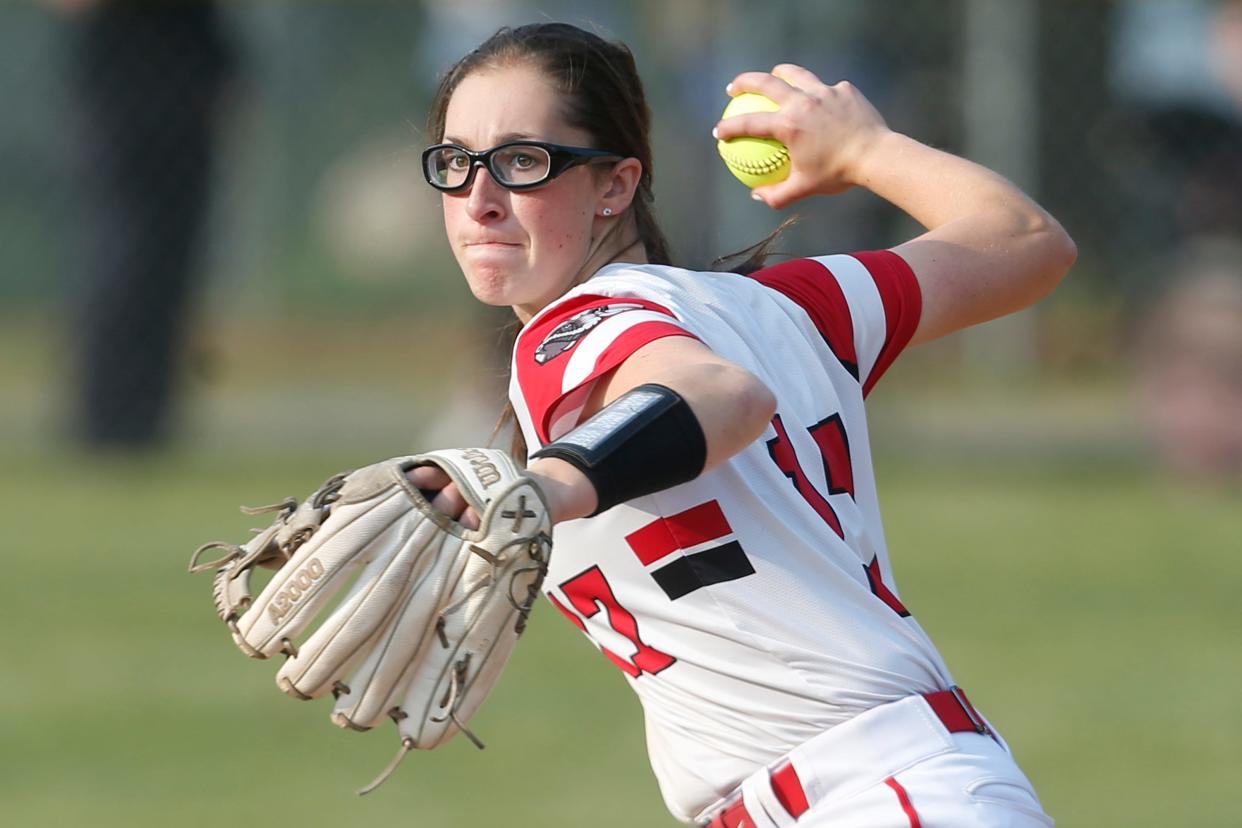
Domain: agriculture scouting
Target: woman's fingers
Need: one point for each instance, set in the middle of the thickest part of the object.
(469, 518)
(785, 92)
(764, 83)
(428, 478)
(439, 488)
(779, 196)
(758, 124)
(450, 501)
(797, 76)
(828, 130)
(444, 495)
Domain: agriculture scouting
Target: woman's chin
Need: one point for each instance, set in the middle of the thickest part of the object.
(490, 287)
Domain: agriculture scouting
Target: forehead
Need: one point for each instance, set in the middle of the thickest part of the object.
(492, 106)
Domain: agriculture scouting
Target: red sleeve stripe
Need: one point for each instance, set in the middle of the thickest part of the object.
(625, 333)
(903, 306)
(542, 377)
(566, 412)
(812, 286)
(555, 420)
(684, 530)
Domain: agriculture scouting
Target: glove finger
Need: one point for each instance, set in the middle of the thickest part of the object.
(352, 534)
(380, 681)
(482, 619)
(482, 627)
(366, 611)
(448, 684)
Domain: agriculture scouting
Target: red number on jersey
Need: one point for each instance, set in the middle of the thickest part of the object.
(834, 450)
(834, 447)
(589, 592)
(880, 589)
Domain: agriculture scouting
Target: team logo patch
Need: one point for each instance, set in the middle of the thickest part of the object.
(566, 335)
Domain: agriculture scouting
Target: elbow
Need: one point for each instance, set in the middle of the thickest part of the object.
(758, 404)
(733, 407)
(765, 402)
(751, 405)
(1058, 252)
(1064, 253)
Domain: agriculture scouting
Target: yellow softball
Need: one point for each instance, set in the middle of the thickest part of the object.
(754, 161)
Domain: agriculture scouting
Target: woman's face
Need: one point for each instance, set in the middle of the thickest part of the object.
(522, 249)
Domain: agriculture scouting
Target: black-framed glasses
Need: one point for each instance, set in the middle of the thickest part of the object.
(516, 165)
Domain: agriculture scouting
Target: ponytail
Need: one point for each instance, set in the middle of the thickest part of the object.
(754, 257)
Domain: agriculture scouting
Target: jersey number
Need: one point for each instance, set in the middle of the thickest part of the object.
(589, 592)
(834, 451)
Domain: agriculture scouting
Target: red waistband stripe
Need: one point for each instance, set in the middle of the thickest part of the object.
(951, 706)
(904, 799)
(788, 789)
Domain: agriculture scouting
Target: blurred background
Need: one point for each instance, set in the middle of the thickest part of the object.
(222, 279)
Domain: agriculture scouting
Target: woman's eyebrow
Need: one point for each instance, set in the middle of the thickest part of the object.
(503, 139)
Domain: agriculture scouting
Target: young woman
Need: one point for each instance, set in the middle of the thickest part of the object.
(701, 437)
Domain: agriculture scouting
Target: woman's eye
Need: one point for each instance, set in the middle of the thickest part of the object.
(523, 162)
(458, 162)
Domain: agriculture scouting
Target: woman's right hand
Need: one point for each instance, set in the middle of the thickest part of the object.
(828, 128)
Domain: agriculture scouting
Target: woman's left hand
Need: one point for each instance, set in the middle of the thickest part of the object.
(447, 498)
(828, 129)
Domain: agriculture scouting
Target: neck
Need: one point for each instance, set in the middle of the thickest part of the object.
(634, 253)
(619, 243)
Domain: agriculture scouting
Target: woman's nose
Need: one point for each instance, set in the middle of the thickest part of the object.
(485, 198)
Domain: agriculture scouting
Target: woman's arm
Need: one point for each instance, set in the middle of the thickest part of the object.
(732, 407)
(731, 404)
(989, 250)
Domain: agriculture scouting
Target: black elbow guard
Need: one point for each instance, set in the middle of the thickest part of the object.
(643, 442)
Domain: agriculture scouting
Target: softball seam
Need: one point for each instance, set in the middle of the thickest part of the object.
(771, 164)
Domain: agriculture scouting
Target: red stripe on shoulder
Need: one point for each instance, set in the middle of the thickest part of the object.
(544, 350)
(903, 306)
(812, 286)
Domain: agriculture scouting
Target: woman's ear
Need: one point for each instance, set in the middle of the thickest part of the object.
(621, 184)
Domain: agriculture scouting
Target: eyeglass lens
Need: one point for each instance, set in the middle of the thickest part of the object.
(517, 164)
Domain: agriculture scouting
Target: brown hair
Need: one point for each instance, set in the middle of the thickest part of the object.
(603, 96)
(756, 256)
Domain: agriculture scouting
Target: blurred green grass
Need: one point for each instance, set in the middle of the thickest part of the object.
(1093, 616)
(1088, 606)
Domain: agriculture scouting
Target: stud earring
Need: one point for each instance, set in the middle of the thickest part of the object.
(608, 211)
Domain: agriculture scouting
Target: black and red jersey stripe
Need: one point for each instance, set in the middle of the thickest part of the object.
(664, 542)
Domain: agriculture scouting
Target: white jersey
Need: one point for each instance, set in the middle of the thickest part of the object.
(752, 608)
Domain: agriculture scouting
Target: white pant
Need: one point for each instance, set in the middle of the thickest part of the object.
(897, 766)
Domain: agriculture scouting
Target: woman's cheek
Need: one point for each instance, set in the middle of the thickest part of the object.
(562, 229)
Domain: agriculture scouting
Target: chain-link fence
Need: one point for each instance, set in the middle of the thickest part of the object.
(261, 156)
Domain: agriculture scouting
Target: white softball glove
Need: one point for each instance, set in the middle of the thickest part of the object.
(424, 611)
